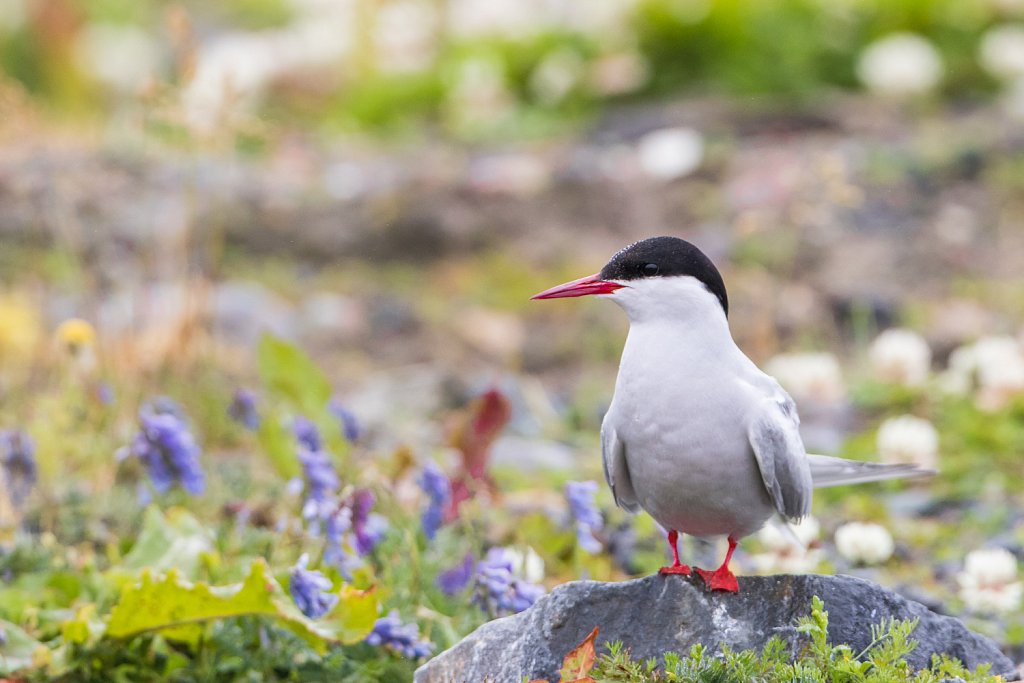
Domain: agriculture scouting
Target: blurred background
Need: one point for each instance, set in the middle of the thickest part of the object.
(384, 183)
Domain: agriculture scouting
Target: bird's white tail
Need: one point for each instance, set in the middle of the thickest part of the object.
(829, 471)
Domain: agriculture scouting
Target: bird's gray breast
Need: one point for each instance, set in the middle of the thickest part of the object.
(688, 453)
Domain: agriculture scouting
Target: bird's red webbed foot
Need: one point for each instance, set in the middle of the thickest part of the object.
(676, 567)
(722, 579)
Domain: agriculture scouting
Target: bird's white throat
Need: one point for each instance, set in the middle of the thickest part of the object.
(679, 298)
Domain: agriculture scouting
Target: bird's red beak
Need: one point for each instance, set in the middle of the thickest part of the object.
(585, 286)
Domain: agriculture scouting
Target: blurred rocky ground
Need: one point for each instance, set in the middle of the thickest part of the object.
(837, 207)
(830, 223)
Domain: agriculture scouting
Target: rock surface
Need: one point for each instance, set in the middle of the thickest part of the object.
(658, 614)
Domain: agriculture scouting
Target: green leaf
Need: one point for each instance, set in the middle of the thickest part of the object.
(279, 445)
(289, 373)
(177, 540)
(179, 608)
(83, 627)
(19, 649)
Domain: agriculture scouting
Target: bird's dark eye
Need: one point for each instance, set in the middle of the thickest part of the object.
(649, 269)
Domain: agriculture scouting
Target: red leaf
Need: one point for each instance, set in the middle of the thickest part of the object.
(482, 424)
(577, 664)
(489, 416)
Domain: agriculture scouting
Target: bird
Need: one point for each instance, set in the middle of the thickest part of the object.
(696, 434)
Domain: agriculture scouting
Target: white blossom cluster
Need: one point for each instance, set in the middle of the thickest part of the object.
(1001, 54)
(908, 439)
(991, 369)
(797, 552)
(864, 543)
(900, 356)
(526, 563)
(900, 65)
(989, 582)
(813, 377)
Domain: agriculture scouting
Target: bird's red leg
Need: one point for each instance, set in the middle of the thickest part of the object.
(722, 579)
(677, 566)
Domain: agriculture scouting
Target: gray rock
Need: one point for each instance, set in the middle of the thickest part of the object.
(658, 614)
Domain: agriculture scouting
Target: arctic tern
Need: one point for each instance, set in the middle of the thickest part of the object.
(696, 434)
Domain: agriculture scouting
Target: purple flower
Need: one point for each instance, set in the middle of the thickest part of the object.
(164, 443)
(243, 409)
(587, 517)
(18, 458)
(404, 639)
(321, 479)
(351, 529)
(499, 590)
(338, 552)
(311, 590)
(523, 596)
(306, 433)
(452, 581)
(439, 492)
(349, 424)
(368, 528)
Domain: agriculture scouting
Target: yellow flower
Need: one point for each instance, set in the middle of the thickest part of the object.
(75, 334)
(19, 328)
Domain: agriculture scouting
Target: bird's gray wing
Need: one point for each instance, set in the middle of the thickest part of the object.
(774, 436)
(828, 471)
(616, 468)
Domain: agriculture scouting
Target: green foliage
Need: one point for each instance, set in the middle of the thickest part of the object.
(237, 649)
(290, 374)
(883, 661)
(175, 541)
(18, 649)
(295, 386)
(278, 444)
(179, 608)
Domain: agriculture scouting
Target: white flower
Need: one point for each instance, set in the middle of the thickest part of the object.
(994, 365)
(1002, 51)
(900, 64)
(989, 581)
(556, 75)
(528, 565)
(670, 153)
(479, 94)
(235, 68)
(405, 36)
(783, 554)
(1000, 370)
(908, 439)
(900, 356)
(864, 543)
(812, 377)
(231, 71)
(507, 18)
(121, 56)
(606, 20)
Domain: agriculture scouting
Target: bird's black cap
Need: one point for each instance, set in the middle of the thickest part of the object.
(664, 257)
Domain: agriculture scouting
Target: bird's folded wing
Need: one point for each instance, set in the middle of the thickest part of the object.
(616, 469)
(828, 471)
(775, 439)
